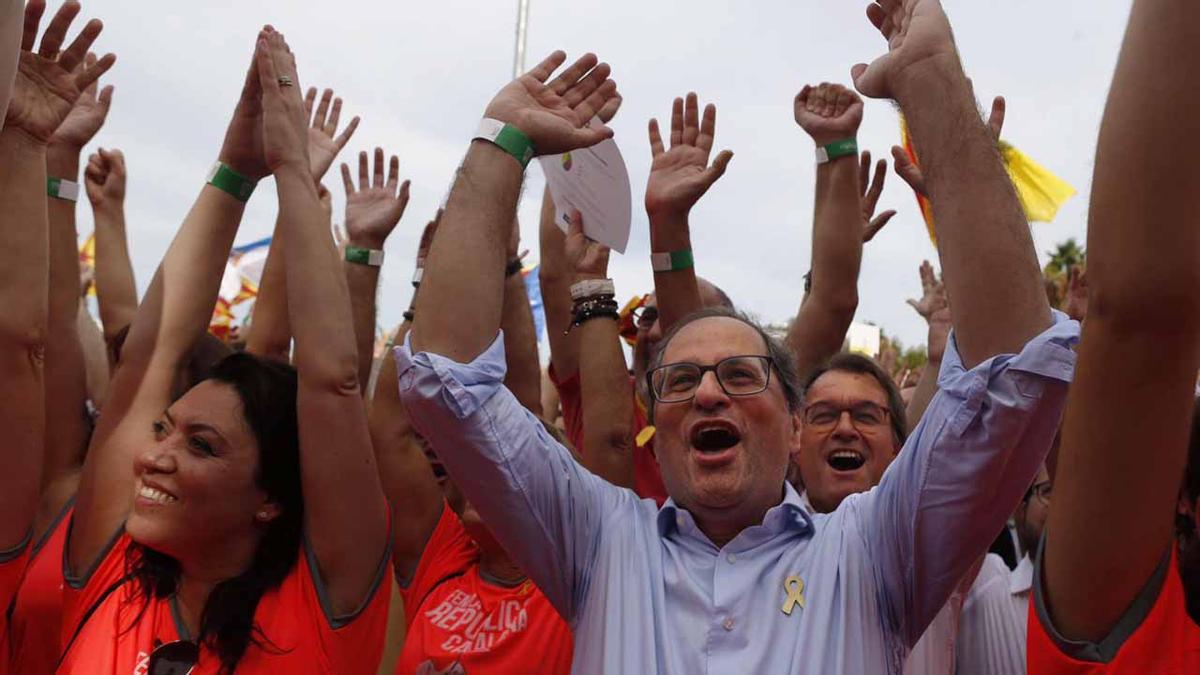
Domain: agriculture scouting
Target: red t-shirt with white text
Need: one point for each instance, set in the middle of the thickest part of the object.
(462, 624)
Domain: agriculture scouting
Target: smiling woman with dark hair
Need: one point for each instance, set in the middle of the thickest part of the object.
(242, 526)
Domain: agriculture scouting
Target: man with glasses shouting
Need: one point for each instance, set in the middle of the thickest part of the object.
(732, 575)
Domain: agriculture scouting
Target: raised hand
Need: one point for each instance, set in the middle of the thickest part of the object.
(828, 112)
(87, 115)
(933, 293)
(323, 145)
(104, 178)
(911, 173)
(1076, 304)
(374, 209)
(49, 82)
(242, 149)
(935, 309)
(872, 188)
(918, 35)
(554, 115)
(587, 259)
(284, 125)
(679, 177)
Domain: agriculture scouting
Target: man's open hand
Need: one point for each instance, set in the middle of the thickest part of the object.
(324, 143)
(680, 176)
(554, 115)
(88, 114)
(50, 81)
(374, 209)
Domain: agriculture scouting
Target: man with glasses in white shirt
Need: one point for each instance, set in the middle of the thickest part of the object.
(732, 575)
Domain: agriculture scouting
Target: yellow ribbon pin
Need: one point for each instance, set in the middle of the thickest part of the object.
(794, 586)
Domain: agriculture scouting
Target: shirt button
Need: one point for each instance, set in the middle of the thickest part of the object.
(679, 521)
(731, 558)
(728, 624)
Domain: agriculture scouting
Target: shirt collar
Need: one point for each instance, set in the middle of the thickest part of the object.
(1021, 579)
(786, 515)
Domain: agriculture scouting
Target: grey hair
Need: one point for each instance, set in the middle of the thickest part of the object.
(783, 362)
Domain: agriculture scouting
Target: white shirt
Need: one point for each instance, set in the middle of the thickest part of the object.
(995, 616)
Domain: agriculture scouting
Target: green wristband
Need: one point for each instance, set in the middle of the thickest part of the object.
(837, 150)
(508, 138)
(229, 181)
(364, 256)
(673, 261)
(63, 189)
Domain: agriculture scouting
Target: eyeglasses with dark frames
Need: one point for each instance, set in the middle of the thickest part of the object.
(737, 376)
(864, 415)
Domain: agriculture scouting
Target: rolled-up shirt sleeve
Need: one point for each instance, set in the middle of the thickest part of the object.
(544, 508)
(963, 471)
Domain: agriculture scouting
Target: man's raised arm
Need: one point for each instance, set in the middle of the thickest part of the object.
(542, 506)
(1003, 384)
(831, 114)
(992, 276)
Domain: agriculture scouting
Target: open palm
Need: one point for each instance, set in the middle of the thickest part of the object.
(324, 143)
(86, 116)
(679, 177)
(375, 208)
(555, 115)
(48, 82)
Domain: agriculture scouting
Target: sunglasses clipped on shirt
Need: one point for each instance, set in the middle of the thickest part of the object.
(174, 658)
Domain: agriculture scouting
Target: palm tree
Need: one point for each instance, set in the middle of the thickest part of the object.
(1066, 255)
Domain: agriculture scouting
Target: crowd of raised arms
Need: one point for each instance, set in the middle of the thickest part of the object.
(286, 501)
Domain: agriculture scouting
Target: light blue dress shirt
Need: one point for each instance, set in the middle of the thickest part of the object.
(645, 591)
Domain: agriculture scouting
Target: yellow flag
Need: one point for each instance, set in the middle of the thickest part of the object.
(1041, 193)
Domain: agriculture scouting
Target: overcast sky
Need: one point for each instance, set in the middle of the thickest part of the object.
(420, 75)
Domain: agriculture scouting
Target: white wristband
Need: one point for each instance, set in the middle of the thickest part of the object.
(61, 188)
(590, 287)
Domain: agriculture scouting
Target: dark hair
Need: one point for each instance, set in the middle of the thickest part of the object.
(781, 357)
(204, 355)
(267, 390)
(848, 362)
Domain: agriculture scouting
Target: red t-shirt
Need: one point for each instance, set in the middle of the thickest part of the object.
(647, 478)
(461, 624)
(37, 609)
(114, 641)
(1166, 642)
(12, 568)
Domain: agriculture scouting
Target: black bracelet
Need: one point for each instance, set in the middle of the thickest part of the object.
(408, 315)
(513, 267)
(808, 281)
(585, 316)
